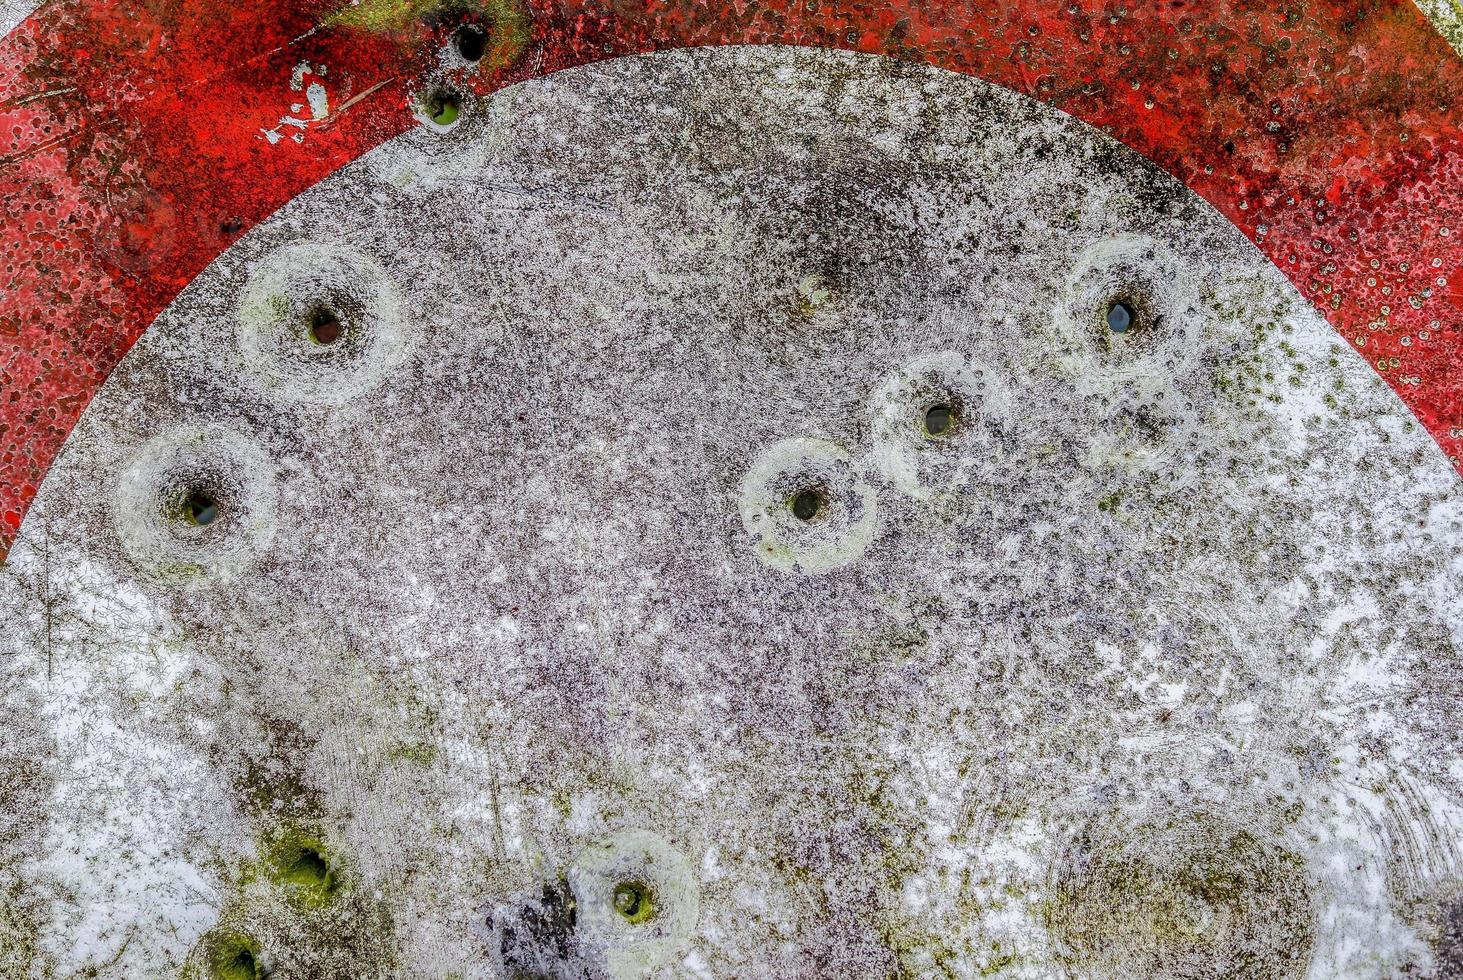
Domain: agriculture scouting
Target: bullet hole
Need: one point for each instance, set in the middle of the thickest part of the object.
(1120, 317)
(309, 867)
(634, 902)
(442, 106)
(304, 870)
(808, 504)
(324, 326)
(242, 966)
(236, 958)
(321, 323)
(471, 43)
(232, 226)
(200, 508)
(940, 420)
(308, 870)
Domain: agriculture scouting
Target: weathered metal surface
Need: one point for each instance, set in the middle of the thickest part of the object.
(134, 150)
(706, 514)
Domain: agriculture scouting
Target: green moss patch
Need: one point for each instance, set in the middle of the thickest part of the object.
(505, 23)
(226, 955)
(1192, 898)
(305, 869)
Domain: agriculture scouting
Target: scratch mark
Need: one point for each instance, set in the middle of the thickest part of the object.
(329, 120)
(19, 101)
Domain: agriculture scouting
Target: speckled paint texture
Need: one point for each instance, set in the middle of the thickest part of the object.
(694, 515)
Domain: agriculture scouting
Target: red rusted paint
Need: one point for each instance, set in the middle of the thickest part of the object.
(133, 149)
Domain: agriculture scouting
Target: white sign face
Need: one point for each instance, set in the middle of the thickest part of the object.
(738, 513)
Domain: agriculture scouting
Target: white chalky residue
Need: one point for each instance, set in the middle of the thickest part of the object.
(319, 100)
(115, 853)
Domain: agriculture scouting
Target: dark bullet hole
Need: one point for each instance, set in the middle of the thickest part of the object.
(308, 868)
(940, 420)
(232, 226)
(471, 43)
(808, 504)
(634, 902)
(236, 959)
(304, 869)
(442, 106)
(1120, 317)
(201, 508)
(242, 966)
(325, 326)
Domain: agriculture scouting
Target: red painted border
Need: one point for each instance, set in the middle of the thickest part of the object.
(132, 146)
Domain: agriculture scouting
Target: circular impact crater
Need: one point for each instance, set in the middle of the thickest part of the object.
(319, 323)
